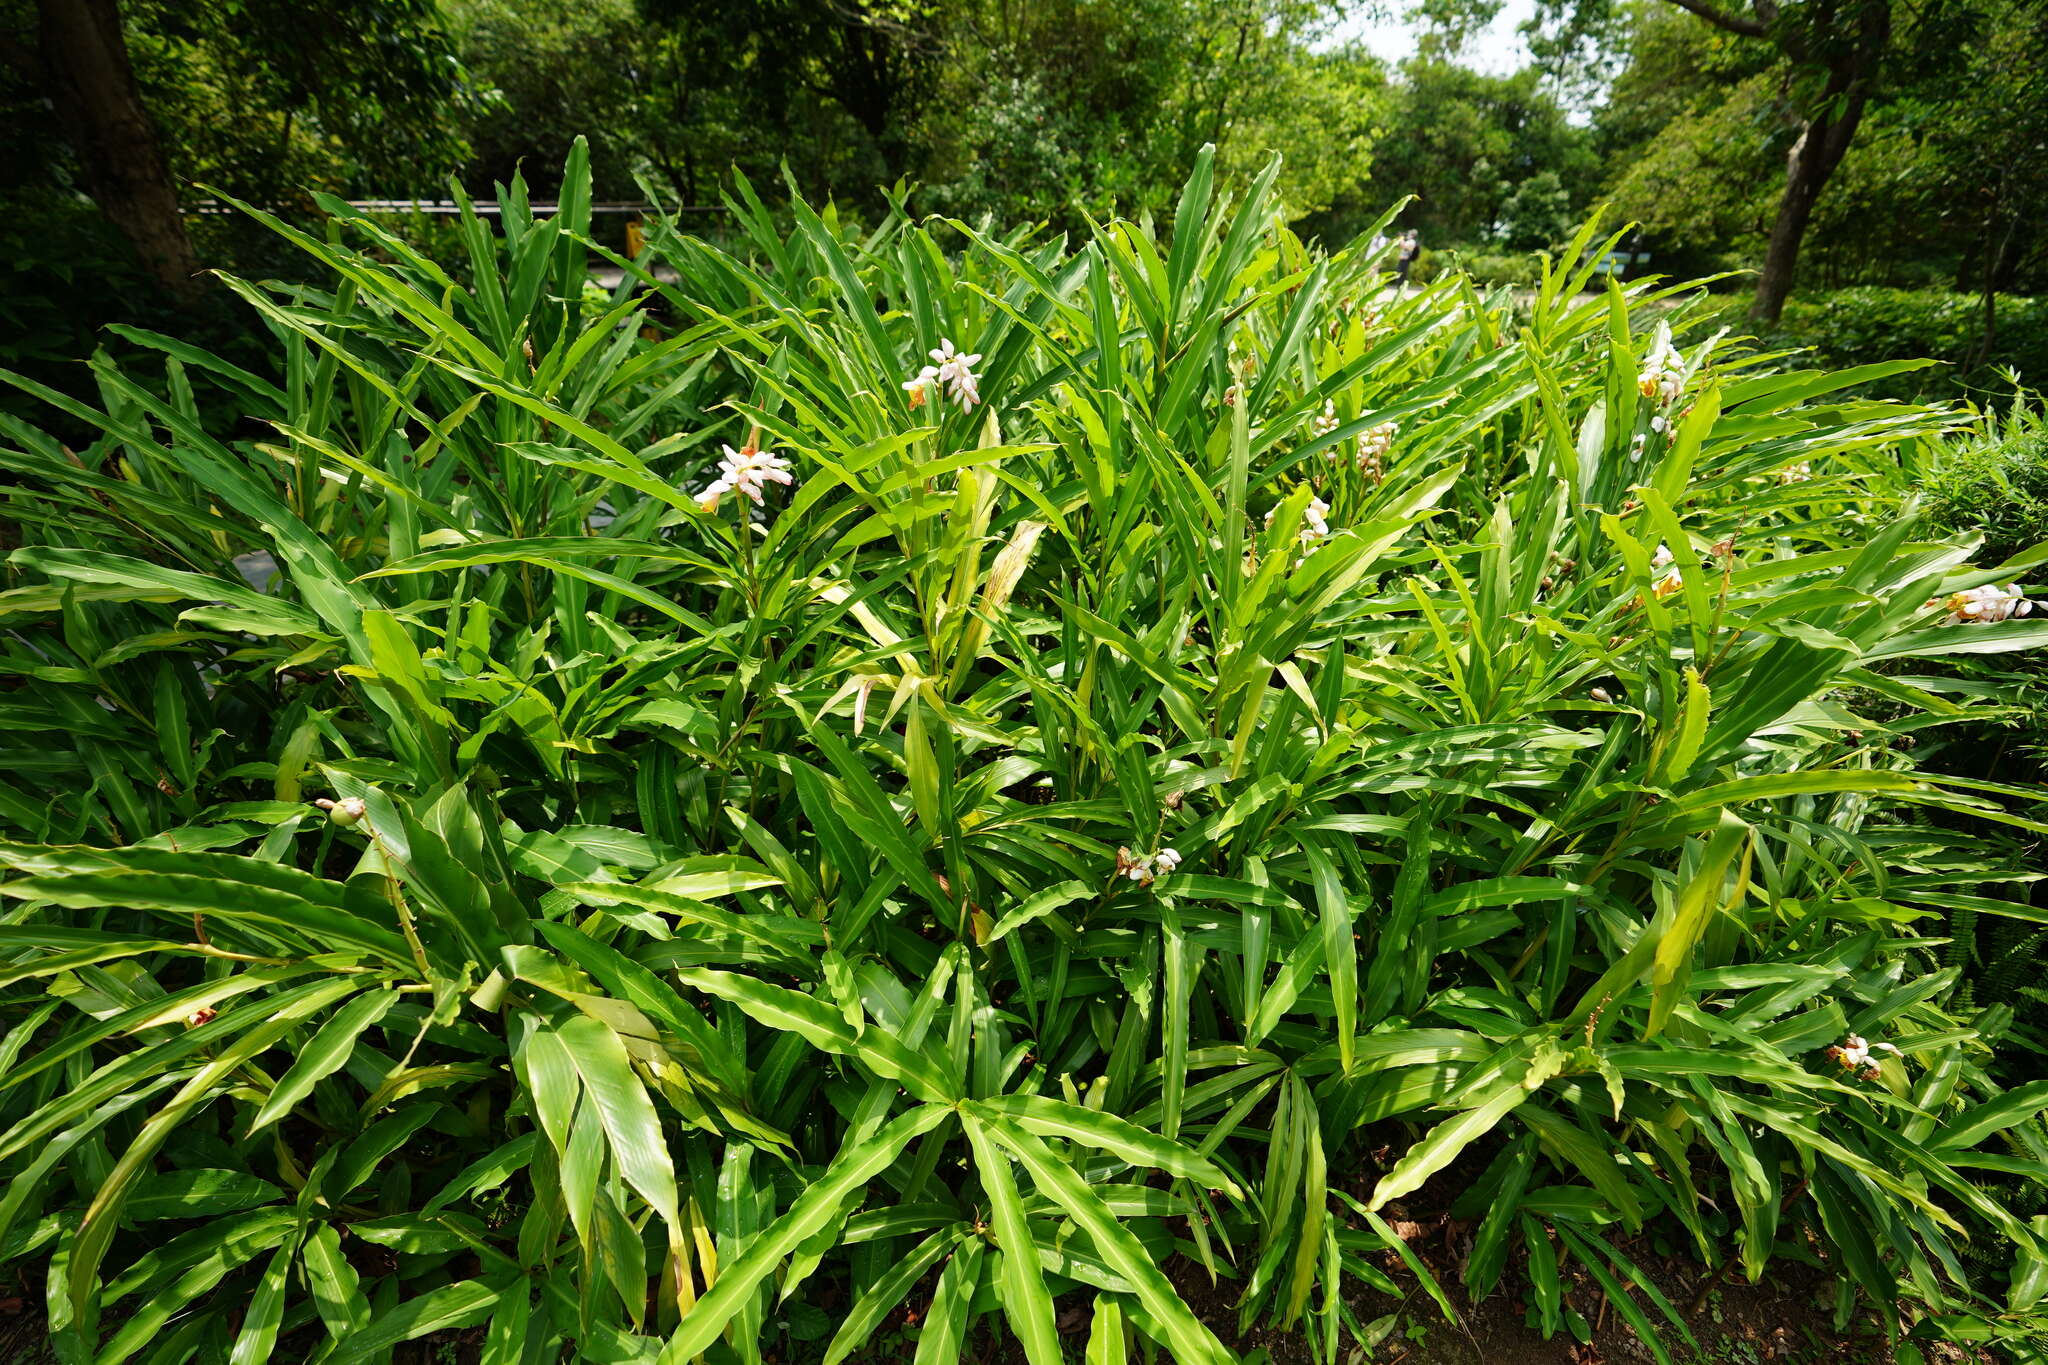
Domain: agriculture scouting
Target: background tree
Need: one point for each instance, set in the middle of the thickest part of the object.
(1462, 141)
(269, 98)
(91, 87)
(595, 71)
(1699, 122)
(1836, 49)
(778, 64)
(1989, 152)
(1079, 105)
(263, 98)
(1831, 57)
(1537, 213)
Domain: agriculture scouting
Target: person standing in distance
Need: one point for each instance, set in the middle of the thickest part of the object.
(1411, 247)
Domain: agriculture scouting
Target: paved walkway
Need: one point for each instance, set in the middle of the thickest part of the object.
(610, 275)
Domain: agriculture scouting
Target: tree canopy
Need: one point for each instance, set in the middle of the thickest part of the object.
(1834, 142)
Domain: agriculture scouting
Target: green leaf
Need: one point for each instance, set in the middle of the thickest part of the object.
(261, 614)
(1185, 1335)
(336, 1289)
(330, 1049)
(96, 1228)
(814, 1209)
(1441, 1145)
(867, 1314)
(1106, 1343)
(1025, 1299)
(639, 1149)
(253, 1344)
(461, 1304)
(1340, 951)
(793, 1012)
(198, 1194)
(1978, 1122)
(943, 1338)
(1701, 897)
(187, 884)
(1108, 1133)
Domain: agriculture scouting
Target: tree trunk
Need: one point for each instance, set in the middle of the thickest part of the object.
(1994, 267)
(1822, 143)
(1807, 169)
(94, 91)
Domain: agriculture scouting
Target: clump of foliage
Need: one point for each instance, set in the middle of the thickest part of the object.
(1486, 269)
(1995, 482)
(1921, 122)
(1853, 326)
(1994, 485)
(1224, 725)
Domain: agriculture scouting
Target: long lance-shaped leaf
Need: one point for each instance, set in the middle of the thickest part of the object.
(813, 1210)
(205, 895)
(1340, 952)
(145, 578)
(639, 1148)
(462, 1304)
(625, 979)
(1186, 1337)
(326, 1054)
(794, 1012)
(1441, 1145)
(873, 1307)
(1109, 1133)
(96, 1229)
(171, 1055)
(1106, 1344)
(542, 551)
(1700, 898)
(1026, 1300)
(1973, 1125)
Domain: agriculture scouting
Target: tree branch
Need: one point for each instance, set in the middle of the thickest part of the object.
(1733, 23)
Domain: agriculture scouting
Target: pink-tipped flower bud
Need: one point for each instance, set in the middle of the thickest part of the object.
(348, 811)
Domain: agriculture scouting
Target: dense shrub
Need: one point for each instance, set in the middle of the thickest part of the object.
(69, 274)
(1856, 326)
(1994, 482)
(1516, 269)
(1218, 768)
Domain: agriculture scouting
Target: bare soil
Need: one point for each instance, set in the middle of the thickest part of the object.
(1786, 1318)
(1783, 1319)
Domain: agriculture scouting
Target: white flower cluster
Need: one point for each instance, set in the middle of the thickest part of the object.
(1146, 870)
(1663, 373)
(954, 371)
(1325, 421)
(1986, 602)
(1672, 578)
(1796, 473)
(748, 470)
(1855, 1055)
(1373, 445)
(1315, 521)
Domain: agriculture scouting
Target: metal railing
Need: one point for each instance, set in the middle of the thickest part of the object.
(483, 207)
